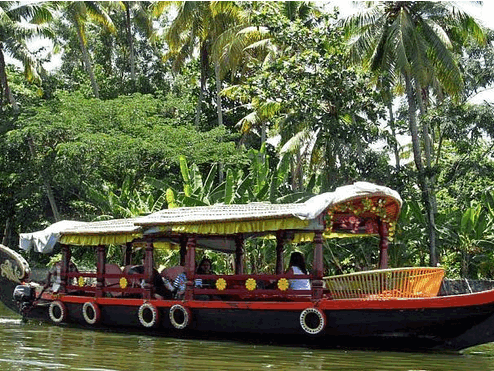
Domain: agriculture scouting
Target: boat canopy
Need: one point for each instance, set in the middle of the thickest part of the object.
(351, 210)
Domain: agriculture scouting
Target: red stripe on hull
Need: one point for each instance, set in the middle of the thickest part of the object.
(465, 300)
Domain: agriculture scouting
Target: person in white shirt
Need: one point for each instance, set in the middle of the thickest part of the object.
(297, 266)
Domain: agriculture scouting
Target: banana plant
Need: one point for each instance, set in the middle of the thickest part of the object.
(260, 183)
(126, 201)
(472, 240)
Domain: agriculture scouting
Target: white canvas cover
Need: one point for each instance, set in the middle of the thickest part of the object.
(317, 204)
(44, 241)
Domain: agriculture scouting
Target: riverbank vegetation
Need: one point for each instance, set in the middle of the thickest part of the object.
(156, 105)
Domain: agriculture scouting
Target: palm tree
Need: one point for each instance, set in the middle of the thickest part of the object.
(413, 41)
(80, 13)
(197, 26)
(138, 16)
(15, 33)
(245, 42)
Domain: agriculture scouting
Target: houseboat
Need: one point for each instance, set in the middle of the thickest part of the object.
(388, 308)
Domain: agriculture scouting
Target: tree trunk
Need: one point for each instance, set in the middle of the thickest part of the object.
(46, 183)
(204, 75)
(6, 232)
(417, 156)
(393, 133)
(199, 105)
(4, 83)
(428, 151)
(87, 61)
(218, 93)
(430, 177)
(128, 26)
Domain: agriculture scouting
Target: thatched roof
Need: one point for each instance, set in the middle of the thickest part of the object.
(217, 219)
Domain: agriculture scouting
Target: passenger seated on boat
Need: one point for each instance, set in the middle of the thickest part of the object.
(180, 284)
(54, 274)
(297, 266)
(204, 267)
(175, 280)
(160, 289)
(172, 272)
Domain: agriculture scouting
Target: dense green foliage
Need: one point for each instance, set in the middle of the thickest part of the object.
(156, 104)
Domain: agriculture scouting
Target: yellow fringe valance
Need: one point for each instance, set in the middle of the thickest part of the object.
(99, 239)
(234, 227)
(228, 228)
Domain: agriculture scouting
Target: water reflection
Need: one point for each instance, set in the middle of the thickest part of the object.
(33, 346)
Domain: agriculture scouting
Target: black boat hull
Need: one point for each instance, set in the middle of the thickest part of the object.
(448, 322)
(405, 330)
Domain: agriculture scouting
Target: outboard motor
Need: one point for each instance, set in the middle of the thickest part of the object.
(24, 296)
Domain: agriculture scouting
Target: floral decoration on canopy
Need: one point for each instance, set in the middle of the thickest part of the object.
(359, 216)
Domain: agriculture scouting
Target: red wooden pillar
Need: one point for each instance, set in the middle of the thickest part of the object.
(128, 254)
(100, 269)
(383, 244)
(318, 269)
(183, 250)
(190, 267)
(64, 268)
(239, 255)
(280, 240)
(148, 270)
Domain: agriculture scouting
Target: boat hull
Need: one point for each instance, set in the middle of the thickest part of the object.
(446, 322)
(452, 328)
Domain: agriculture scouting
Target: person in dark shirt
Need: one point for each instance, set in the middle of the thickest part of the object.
(158, 282)
(204, 267)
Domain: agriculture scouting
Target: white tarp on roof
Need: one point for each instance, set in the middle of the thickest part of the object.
(44, 241)
(317, 204)
(263, 210)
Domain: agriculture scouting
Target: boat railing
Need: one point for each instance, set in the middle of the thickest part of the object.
(386, 284)
(250, 286)
(113, 284)
(233, 287)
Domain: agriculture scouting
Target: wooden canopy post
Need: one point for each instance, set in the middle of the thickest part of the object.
(183, 249)
(239, 254)
(64, 268)
(280, 240)
(383, 244)
(128, 254)
(190, 266)
(148, 270)
(100, 269)
(318, 269)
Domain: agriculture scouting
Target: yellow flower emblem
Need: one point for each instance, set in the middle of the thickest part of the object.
(283, 284)
(123, 282)
(250, 284)
(221, 284)
(80, 281)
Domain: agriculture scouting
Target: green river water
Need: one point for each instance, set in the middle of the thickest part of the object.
(34, 346)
